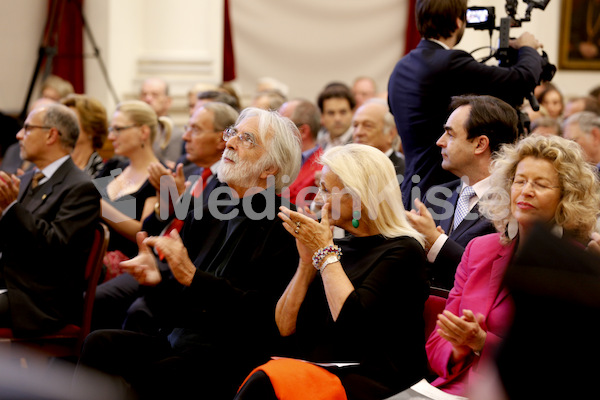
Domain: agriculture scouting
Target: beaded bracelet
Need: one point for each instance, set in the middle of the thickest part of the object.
(320, 254)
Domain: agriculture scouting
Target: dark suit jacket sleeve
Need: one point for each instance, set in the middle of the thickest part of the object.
(79, 207)
(510, 84)
(450, 255)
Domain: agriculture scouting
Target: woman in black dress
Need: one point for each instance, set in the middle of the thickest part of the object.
(357, 300)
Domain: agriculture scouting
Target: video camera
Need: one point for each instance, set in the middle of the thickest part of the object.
(484, 18)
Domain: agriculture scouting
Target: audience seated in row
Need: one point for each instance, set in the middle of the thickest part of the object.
(118, 302)
(215, 292)
(187, 266)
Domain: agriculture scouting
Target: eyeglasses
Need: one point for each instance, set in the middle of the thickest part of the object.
(196, 130)
(118, 129)
(28, 127)
(520, 183)
(246, 139)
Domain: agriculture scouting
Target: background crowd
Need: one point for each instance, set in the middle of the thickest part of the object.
(301, 229)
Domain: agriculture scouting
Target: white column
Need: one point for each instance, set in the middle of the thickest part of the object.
(180, 41)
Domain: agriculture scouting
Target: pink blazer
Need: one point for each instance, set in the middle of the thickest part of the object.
(477, 287)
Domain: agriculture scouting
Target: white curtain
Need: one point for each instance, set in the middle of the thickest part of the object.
(309, 43)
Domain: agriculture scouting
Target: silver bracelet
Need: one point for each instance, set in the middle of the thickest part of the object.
(333, 258)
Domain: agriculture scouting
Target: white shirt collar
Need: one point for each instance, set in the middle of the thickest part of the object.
(444, 45)
(52, 168)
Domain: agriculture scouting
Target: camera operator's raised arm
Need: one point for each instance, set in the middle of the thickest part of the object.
(526, 39)
(423, 82)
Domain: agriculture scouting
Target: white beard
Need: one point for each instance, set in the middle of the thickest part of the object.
(242, 173)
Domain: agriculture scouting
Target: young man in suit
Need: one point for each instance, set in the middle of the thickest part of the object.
(424, 80)
(46, 227)
(477, 128)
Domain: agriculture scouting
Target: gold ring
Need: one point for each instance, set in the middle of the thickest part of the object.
(296, 230)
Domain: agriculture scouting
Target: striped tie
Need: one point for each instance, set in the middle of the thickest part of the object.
(37, 177)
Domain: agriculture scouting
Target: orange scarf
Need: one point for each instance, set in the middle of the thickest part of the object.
(299, 380)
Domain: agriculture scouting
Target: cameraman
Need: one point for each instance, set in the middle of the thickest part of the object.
(423, 82)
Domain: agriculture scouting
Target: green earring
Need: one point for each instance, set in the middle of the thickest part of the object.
(355, 218)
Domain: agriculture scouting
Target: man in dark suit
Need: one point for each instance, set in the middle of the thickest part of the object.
(424, 80)
(118, 302)
(216, 292)
(374, 125)
(477, 128)
(46, 228)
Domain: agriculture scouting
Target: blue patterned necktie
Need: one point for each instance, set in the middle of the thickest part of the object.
(462, 206)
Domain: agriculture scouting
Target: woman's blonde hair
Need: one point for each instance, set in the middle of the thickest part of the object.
(369, 176)
(141, 113)
(579, 202)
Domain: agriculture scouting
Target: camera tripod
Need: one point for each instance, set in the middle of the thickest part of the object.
(48, 49)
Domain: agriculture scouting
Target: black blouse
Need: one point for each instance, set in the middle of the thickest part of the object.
(380, 324)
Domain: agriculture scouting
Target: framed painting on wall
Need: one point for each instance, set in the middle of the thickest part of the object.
(580, 35)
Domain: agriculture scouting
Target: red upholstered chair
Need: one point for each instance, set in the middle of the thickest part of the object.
(434, 305)
(67, 342)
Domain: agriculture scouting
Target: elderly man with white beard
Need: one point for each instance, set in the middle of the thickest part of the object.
(214, 288)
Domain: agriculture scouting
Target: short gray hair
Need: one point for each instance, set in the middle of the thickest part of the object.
(389, 122)
(65, 121)
(586, 120)
(223, 115)
(282, 143)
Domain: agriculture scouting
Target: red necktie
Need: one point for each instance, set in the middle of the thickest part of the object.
(196, 192)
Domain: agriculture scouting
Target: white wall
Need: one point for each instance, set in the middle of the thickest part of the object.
(309, 43)
(179, 40)
(21, 25)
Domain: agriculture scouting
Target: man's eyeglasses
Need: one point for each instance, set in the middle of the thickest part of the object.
(118, 129)
(246, 139)
(196, 130)
(28, 127)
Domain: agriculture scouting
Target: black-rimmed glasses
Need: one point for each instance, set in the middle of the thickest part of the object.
(28, 127)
